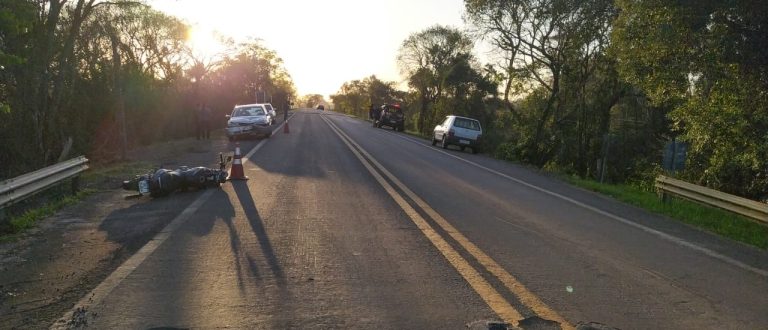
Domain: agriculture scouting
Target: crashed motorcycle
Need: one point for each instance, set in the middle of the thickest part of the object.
(161, 182)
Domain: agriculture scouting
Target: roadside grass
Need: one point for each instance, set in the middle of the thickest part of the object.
(28, 219)
(718, 221)
(99, 176)
(25, 216)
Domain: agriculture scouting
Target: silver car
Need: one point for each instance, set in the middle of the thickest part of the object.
(249, 120)
(459, 131)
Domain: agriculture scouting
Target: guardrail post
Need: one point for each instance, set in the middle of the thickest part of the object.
(661, 192)
(75, 184)
(664, 197)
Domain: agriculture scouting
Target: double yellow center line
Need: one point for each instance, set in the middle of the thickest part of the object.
(487, 292)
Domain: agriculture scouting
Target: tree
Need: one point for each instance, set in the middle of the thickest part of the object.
(312, 100)
(427, 58)
(502, 22)
(16, 19)
(355, 97)
(144, 48)
(44, 79)
(554, 48)
(249, 74)
(705, 63)
(84, 70)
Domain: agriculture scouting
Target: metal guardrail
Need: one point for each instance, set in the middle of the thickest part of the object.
(746, 207)
(25, 185)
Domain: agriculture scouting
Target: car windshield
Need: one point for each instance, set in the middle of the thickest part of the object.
(250, 111)
(467, 123)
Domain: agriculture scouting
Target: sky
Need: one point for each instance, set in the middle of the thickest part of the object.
(323, 43)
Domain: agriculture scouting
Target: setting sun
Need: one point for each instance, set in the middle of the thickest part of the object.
(323, 43)
(205, 43)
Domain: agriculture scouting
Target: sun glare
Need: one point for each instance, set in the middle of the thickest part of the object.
(205, 43)
(323, 43)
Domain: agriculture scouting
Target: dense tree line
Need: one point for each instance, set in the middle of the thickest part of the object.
(312, 100)
(356, 97)
(98, 77)
(597, 88)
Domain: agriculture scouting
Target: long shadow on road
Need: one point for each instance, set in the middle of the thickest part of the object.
(225, 211)
(254, 220)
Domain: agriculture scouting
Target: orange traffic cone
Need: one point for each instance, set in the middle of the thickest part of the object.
(237, 172)
(286, 130)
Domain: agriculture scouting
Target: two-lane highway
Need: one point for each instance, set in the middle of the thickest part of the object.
(343, 225)
(618, 266)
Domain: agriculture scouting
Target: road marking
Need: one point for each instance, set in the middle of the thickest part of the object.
(494, 300)
(663, 235)
(510, 282)
(80, 310)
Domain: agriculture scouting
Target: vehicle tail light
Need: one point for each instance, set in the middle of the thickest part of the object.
(450, 133)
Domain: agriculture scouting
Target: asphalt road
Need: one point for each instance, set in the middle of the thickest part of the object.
(343, 225)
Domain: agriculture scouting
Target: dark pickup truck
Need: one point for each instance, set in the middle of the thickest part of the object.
(390, 115)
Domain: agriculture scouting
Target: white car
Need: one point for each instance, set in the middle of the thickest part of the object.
(459, 131)
(249, 120)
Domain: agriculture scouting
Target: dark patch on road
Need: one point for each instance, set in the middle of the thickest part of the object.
(537, 323)
(593, 326)
(489, 325)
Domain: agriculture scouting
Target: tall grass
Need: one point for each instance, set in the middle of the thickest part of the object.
(714, 220)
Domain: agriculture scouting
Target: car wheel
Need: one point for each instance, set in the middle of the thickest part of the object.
(434, 141)
(463, 148)
(231, 138)
(444, 143)
(475, 150)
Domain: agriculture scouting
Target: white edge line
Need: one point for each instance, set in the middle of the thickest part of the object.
(649, 230)
(98, 294)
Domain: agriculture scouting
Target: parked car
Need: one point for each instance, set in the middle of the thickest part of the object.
(459, 131)
(249, 120)
(390, 115)
(320, 107)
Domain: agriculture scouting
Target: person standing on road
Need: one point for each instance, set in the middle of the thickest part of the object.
(375, 114)
(203, 121)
